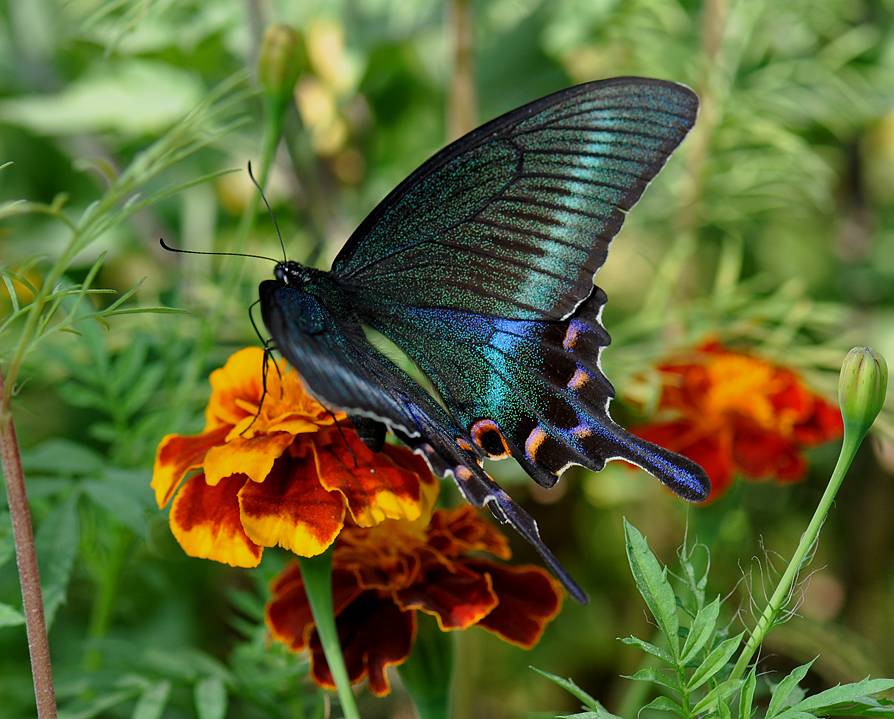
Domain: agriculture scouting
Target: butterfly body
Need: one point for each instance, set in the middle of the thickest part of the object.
(480, 268)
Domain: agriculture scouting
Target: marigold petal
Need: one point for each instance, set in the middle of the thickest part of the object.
(252, 456)
(235, 388)
(288, 615)
(178, 454)
(456, 531)
(373, 485)
(205, 521)
(374, 634)
(822, 425)
(455, 595)
(529, 598)
(291, 509)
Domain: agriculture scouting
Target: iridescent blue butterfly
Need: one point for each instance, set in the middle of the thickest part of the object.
(480, 267)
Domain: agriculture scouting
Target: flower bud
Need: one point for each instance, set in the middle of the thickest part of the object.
(861, 388)
(281, 59)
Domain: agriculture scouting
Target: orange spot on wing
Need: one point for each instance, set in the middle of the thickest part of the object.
(579, 379)
(480, 429)
(533, 442)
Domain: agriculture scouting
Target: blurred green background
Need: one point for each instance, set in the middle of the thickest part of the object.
(772, 226)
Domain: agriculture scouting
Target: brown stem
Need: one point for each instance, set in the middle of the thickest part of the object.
(26, 559)
(462, 110)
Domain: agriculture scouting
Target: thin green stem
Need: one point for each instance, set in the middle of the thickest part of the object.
(781, 595)
(317, 575)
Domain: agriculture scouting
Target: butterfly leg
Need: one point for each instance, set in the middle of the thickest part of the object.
(268, 352)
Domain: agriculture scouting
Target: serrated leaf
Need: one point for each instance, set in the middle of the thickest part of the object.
(61, 456)
(746, 697)
(128, 364)
(855, 693)
(651, 581)
(780, 694)
(152, 701)
(77, 395)
(119, 501)
(57, 546)
(665, 704)
(715, 661)
(716, 698)
(649, 648)
(569, 686)
(654, 676)
(10, 616)
(211, 698)
(701, 630)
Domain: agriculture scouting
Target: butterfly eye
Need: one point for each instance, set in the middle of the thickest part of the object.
(487, 435)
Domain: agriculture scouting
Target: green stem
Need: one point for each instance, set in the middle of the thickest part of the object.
(317, 575)
(780, 597)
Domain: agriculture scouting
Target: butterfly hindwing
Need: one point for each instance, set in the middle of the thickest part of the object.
(532, 389)
(514, 219)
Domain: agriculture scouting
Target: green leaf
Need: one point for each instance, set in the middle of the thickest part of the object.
(649, 648)
(133, 97)
(10, 616)
(715, 661)
(782, 692)
(118, 499)
(57, 546)
(746, 698)
(569, 686)
(701, 630)
(654, 676)
(651, 581)
(152, 701)
(211, 698)
(827, 701)
(6, 545)
(62, 456)
(665, 704)
(716, 698)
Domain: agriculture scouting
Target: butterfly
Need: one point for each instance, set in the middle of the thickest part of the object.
(480, 267)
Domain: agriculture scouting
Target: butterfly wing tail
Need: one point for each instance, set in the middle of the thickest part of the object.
(482, 491)
(446, 457)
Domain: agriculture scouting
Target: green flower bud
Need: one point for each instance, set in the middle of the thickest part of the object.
(861, 388)
(281, 60)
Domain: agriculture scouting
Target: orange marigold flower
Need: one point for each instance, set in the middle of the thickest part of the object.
(733, 412)
(384, 575)
(286, 477)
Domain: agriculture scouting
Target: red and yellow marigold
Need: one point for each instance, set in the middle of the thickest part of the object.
(735, 413)
(382, 576)
(292, 475)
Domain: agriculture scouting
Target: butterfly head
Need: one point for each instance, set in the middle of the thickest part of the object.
(292, 273)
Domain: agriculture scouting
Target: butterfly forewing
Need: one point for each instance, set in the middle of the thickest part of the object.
(514, 219)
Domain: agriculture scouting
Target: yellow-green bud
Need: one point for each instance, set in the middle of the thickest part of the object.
(281, 59)
(861, 388)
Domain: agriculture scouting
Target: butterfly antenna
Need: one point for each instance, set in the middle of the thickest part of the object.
(269, 210)
(169, 248)
(267, 353)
